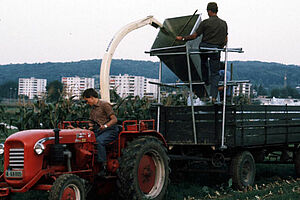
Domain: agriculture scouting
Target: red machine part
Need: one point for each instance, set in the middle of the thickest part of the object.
(83, 143)
(131, 128)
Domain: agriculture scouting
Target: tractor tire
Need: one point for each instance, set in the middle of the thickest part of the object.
(67, 186)
(297, 162)
(242, 170)
(144, 170)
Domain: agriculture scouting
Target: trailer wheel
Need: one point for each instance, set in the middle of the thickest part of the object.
(144, 170)
(67, 186)
(242, 170)
(297, 162)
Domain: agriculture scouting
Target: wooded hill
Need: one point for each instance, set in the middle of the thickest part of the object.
(270, 75)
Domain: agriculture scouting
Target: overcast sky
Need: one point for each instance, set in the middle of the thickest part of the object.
(34, 31)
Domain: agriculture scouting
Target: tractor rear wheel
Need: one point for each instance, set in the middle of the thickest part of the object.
(67, 186)
(242, 170)
(144, 170)
(297, 162)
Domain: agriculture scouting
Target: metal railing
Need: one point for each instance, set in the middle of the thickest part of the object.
(186, 50)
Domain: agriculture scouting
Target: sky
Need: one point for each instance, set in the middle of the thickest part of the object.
(37, 31)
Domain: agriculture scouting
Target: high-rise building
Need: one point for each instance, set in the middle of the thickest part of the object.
(32, 87)
(242, 89)
(150, 90)
(126, 85)
(74, 86)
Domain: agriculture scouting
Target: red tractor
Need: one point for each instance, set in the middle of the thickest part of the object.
(63, 163)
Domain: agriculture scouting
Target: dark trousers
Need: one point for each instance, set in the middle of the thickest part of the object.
(103, 138)
(212, 69)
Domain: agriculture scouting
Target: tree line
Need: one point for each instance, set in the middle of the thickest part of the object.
(270, 75)
(278, 92)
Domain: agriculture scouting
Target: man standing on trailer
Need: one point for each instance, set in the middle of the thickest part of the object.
(214, 31)
(103, 114)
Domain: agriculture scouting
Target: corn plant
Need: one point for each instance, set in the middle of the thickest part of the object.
(41, 114)
(3, 129)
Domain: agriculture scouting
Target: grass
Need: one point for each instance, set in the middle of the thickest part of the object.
(276, 182)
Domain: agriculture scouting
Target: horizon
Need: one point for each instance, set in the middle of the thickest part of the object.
(139, 60)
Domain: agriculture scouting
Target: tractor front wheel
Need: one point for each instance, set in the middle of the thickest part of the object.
(144, 169)
(67, 186)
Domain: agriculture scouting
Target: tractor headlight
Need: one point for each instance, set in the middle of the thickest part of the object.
(1, 149)
(39, 148)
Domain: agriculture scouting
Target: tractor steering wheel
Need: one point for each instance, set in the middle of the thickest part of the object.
(80, 125)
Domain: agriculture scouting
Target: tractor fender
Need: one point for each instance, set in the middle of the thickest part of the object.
(127, 136)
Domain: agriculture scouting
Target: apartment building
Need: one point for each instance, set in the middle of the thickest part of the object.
(74, 86)
(32, 87)
(151, 89)
(242, 89)
(127, 85)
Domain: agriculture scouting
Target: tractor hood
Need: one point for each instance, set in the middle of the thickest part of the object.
(30, 137)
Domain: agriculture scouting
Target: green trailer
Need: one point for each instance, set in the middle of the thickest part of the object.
(246, 126)
(226, 138)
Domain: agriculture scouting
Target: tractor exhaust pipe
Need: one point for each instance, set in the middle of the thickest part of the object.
(56, 131)
(57, 149)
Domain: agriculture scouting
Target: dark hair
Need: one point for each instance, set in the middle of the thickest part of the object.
(88, 93)
(212, 6)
